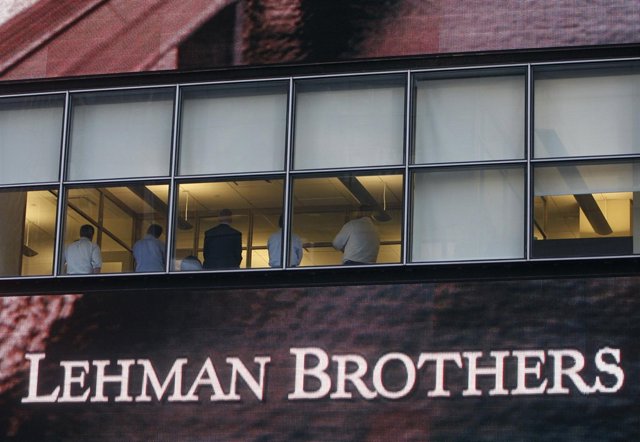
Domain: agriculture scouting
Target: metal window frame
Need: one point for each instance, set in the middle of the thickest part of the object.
(407, 168)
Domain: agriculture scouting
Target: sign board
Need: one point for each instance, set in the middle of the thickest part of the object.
(509, 360)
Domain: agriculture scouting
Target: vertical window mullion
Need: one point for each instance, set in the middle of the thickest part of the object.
(286, 219)
(58, 244)
(171, 216)
(407, 159)
(528, 156)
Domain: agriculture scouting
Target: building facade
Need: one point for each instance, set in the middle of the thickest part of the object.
(495, 156)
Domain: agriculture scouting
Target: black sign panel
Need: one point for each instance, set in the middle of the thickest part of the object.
(508, 360)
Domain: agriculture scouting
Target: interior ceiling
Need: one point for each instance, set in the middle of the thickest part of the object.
(265, 194)
(239, 195)
(330, 191)
(135, 202)
(562, 217)
(261, 194)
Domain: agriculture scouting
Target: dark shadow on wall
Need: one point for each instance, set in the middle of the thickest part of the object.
(335, 29)
(213, 44)
(284, 31)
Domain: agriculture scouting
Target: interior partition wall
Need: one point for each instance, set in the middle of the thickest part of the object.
(475, 164)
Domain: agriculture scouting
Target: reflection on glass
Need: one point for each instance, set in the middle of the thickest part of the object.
(586, 210)
(470, 119)
(121, 134)
(323, 205)
(468, 214)
(30, 128)
(120, 215)
(27, 232)
(233, 129)
(349, 122)
(255, 206)
(587, 112)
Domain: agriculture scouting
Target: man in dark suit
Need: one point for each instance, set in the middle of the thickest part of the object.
(222, 244)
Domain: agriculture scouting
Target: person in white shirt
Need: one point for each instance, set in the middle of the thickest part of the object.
(274, 246)
(83, 256)
(358, 240)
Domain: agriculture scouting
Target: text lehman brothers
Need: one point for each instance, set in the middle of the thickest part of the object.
(318, 375)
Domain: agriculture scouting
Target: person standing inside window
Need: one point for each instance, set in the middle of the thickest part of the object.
(83, 256)
(222, 244)
(149, 251)
(274, 245)
(358, 240)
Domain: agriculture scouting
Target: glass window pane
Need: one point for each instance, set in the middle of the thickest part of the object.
(129, 223)
(587, 112)
(27, 232)
(349, 218)
(118, 219)
(468, 214)
(349, 123)
(30, 139)
(85, 201)
(586, 210)
(121, 134)
(229, 130)
(470, 119)
(116, 257)
(260, 257)
(226, 224)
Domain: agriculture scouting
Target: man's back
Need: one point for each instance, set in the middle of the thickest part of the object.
(222, 247)
(82, 257)
(149, 254)
(359, 241)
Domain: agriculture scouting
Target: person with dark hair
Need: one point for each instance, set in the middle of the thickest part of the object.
(222, 244)
(274, 246)
(358, 240)
(149, 251)
(83, 256)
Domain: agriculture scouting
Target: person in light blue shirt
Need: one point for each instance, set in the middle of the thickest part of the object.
(149, 251)
(190, 263)
(274, 245)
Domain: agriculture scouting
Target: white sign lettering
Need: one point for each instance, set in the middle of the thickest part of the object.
(318, 375)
